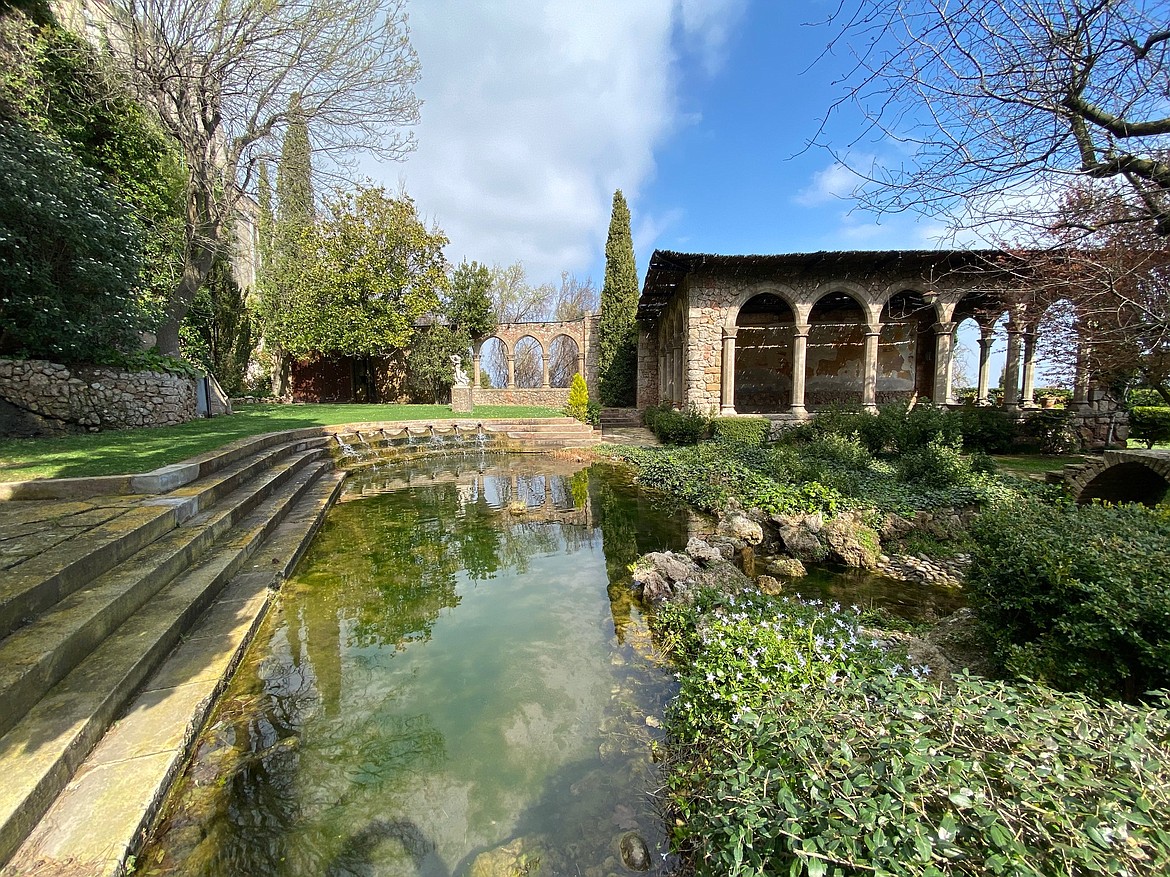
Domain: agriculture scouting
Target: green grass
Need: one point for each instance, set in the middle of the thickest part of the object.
(119, 452)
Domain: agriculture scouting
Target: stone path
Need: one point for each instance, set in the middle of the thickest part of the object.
(637, 436)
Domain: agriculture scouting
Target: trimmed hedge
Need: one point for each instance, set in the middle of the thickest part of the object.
(1149, 424)
(750, 431)
(675, 427)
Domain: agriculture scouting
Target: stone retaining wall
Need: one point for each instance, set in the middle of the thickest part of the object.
(548, 397)
(44, 398)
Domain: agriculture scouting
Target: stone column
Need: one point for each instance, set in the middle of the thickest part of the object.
(1027, 400)
(1080, 398)
(1011, 374)
(727, 372)
(944, 334)
(799, 366)
(544, 370)
(581, 364)
(986, 342)
(679, 393)
(511, 371)
(475, 370)
(870, 368)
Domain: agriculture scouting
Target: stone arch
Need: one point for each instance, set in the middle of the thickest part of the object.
(764, 328)
(491, 356)
(1125, 476)
(838, 324)
(864, 298)
(564, 360)
(785, 293)
(907, 346)
(529, 363)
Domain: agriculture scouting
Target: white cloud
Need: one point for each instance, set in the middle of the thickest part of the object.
(536, 110)
(832, 183)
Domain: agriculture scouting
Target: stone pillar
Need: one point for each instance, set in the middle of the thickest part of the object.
(511, 371)
(944, 334)
(727, 372)
(986, 342)
(475, 370)
(799, 366)
(1080, 398)
(544, 371)
(1027, 400)
(870, 368)
(1011, 374)
(581, 365)
(679, 393)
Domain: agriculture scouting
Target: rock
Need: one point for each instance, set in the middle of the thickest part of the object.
(635, 853)
(672, 567)
(651, 586)
(782, 565)
(724, 577)
(799, 536)
(769, 585)
(852, 542)
(747, 561)
(741, 527)
(520, 856)
(959, 638)
(702, 552)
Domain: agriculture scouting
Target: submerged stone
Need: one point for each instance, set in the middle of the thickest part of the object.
(635, 854)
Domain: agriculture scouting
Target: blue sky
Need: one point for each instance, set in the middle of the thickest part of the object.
(699, 110)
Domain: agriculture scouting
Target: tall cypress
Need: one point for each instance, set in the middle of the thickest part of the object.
(294, 183)
(617, 330)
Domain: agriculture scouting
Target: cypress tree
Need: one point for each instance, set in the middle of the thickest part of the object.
(294, 184)
(617, 330)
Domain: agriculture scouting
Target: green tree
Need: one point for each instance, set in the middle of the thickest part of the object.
(217, 332)
(371, 268)
(469, 305)
(617, 331)
(429, 370)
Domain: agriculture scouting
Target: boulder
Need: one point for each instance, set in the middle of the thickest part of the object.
(769, 586)
(739, 526)
(799, 535)
(703, 552)
(852, 542)
(635, 854)
(783, 565)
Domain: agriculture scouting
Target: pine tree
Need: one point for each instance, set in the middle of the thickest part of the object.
(617, 330)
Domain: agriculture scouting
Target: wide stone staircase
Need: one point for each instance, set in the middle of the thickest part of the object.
(121, 616)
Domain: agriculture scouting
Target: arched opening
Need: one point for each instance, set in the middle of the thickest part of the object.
(1056, 349)
(529, 363)
(906, 349)
(763, 355)
(965, 361)
(1126, 482)
(563, 356)
(493, 364)
(978, 356)
(836, 348)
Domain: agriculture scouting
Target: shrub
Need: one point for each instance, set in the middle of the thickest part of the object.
(915, 428)
(1144, 396)
(986, 429)
(675, 427)
(750, 431)
(936, 464)
(1050, 432)
(1149, 424)
(578, 404)
(799, 748)
(1071, 596)
(69, 256)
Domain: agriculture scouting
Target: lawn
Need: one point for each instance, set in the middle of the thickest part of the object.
(1035, 465)
(118, 452)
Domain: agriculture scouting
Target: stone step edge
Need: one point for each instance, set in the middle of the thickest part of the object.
(207, 578)
(168, 478)
(44, 580)
(110, 598)
(57, 843)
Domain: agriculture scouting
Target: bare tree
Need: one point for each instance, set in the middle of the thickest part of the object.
(999, 100)
(221, 75)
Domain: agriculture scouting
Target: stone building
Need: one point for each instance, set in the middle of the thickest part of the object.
(784, 335)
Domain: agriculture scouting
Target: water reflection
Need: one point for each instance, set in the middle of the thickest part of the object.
(457, 665)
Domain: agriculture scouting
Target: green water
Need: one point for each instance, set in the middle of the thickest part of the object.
(457, 666)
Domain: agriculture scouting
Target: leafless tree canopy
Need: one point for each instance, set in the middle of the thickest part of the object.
(998, 100)
(221, 73)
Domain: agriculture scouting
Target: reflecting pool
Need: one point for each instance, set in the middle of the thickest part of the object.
(456, 681)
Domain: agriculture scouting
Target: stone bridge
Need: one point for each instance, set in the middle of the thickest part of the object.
(1121, 476)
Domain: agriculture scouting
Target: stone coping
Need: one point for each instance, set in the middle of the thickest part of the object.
(173, 476)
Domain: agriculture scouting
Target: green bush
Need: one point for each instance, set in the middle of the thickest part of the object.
(675, 427)
(895, 429)
(578, 404)
(1149, 424)
(70, 256)
(935, 464)
(799, 748)
(1144, 396)
(1075, 596)
(750, 431)
(986, 429)
(1050, 432)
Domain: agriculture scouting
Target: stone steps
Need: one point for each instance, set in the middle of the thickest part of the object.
(620, 417)
(108, 610)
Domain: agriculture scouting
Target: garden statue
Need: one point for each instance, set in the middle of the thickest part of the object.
(461, 379)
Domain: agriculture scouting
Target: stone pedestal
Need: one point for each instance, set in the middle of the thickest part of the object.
(461, 400)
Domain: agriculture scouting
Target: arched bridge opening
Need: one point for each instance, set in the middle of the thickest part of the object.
(1125, 476)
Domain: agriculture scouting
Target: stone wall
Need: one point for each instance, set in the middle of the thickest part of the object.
(44, 398)
(549, 397)
(1102, 422)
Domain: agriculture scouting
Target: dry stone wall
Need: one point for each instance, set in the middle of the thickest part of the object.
(45, 398)
(549, 397)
